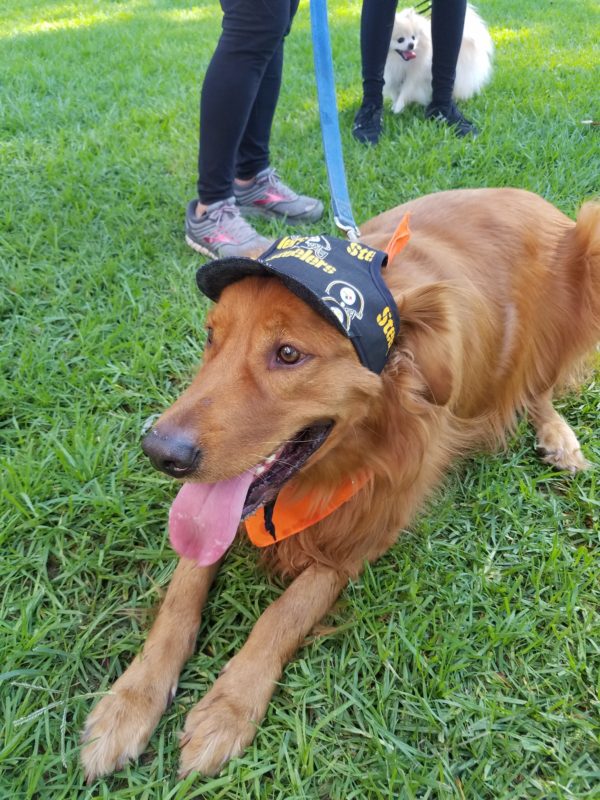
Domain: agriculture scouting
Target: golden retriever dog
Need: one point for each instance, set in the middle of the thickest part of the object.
(499, 300)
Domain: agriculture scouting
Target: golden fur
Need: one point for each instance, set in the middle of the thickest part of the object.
(499, 298)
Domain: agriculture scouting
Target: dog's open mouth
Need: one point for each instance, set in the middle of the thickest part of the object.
(204, 517)
(406, 55)
(276, 470)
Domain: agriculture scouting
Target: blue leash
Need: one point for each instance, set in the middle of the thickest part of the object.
(330, 127)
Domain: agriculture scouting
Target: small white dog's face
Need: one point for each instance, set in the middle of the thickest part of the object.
(405, 36)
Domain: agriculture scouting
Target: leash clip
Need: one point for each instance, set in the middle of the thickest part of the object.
(351, 231)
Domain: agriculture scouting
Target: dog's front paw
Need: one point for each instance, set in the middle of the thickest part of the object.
(119, 727)
(558, 446)
(218, 728)
(398, 105)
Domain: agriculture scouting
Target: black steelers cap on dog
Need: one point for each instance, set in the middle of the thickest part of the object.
(340, 280)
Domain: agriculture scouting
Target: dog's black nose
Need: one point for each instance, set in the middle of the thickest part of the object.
(172, 452)
(411, 46)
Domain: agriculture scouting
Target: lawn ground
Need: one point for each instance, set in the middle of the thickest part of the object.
(465, 664)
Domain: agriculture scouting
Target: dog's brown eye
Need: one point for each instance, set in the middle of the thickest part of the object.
(209, 335)
(288, 354)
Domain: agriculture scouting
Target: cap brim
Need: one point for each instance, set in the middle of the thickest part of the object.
(213, 277)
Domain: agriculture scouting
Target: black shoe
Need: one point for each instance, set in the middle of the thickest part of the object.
(368, 124)
(450, 115)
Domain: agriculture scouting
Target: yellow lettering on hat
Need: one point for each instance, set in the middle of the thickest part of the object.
(289, 241)
(306, 256)
(361, 253)
(386, 322)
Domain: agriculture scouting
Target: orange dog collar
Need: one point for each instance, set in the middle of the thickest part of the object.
(290, 515)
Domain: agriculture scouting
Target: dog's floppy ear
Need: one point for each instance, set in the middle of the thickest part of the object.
(428, 335)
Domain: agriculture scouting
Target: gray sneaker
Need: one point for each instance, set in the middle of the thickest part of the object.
(268, 196)
(222, 231)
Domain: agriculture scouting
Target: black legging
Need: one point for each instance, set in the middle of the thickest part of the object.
(240, 93)
(376, 24)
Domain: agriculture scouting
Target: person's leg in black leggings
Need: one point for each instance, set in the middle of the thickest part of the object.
(376, 25)
(250, 44)
(253, 152)
(447, 24)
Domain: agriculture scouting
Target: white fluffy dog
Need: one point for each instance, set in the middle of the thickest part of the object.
(408, 67)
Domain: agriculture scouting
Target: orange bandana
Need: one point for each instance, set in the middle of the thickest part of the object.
(287, 516)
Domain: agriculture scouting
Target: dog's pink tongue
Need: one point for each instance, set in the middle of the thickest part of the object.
(409, 55)
(204, 517)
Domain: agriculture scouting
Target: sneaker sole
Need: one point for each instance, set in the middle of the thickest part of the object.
(267, 213)
(205, 251)
(454, 126)
(372, 142)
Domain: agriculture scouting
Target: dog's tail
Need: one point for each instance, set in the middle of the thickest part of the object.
(581, 249)
(586, 261)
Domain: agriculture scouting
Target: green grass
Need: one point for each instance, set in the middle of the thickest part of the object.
(467, 661)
